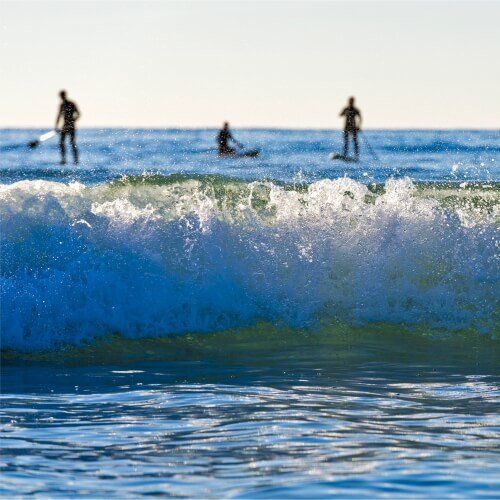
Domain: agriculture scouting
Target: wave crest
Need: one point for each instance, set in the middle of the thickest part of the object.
(149, 257)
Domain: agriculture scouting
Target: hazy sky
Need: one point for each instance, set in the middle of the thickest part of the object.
(254, 63)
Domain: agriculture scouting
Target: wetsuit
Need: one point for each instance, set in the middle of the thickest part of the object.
(222, 142)
(68, 111)
(351, 127)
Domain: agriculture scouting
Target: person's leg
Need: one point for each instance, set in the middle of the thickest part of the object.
(356, 145)
(346, 144)
(62, 146)
(73, 145)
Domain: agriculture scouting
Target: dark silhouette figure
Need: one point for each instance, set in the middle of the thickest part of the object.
(223, 138)
(69, 113)
(351, 127)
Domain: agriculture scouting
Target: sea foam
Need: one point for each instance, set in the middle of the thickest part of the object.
(149, 257)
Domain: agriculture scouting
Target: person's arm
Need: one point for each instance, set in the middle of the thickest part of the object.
(360, 120)
(234, 140)
(342, 113)
(237, 142)
(59, 114)
(76, 114)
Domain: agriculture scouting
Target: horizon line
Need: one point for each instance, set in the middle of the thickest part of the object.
(251, 127)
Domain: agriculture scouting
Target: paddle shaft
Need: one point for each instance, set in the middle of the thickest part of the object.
(375, 157)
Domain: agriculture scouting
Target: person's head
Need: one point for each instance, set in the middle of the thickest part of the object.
(62, 95)
(351, 101)
(226, 125)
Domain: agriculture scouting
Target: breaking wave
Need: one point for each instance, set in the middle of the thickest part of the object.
(166, 255)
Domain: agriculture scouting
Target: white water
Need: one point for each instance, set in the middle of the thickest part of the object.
(157, 258)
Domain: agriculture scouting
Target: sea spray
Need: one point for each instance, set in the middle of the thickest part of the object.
(158, 256)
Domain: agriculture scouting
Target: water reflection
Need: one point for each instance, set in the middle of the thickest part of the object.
(185, 429)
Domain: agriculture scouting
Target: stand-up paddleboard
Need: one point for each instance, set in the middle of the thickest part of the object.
(252, 153)
(42, 138)
(248, 154)
(347, 159)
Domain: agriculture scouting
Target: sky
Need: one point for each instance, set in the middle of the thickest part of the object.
(410, 64)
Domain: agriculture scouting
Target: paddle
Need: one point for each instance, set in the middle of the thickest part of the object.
(375, 157)
(42, 138)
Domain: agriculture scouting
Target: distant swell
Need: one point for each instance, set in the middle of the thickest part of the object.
(152, 257)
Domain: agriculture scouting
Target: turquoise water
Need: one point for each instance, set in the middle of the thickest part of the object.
(177, 324)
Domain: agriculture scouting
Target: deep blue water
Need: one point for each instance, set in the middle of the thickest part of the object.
(178, 324)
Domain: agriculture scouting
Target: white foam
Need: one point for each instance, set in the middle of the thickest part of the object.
(153, 260)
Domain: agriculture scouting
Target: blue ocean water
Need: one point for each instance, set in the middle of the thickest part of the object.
(286, 155)
(180, 324)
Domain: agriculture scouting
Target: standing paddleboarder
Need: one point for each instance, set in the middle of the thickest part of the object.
(69, 113)
(351, 127)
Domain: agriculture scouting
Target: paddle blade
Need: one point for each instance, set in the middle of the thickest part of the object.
(46, 136)
(42, 138)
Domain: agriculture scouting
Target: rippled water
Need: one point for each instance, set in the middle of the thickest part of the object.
(313, 419)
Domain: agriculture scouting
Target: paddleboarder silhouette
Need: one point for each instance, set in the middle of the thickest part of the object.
(352, 126)
(223, 138)
(69, 114)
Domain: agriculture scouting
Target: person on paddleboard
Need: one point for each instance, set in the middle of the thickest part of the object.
(351, 127)
(223, 138)
(69, 114)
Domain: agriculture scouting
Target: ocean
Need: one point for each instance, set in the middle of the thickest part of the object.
(287, 326)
